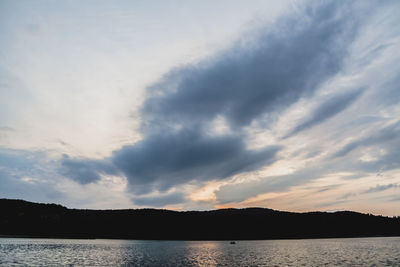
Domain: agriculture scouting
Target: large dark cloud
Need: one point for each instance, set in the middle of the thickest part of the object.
(262, 75)
(258, 76)
(162, 161)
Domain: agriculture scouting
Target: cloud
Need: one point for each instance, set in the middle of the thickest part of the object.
(242, 191)
(26, 175)
(162, 161)
(330, 203)
(23, 187)
(380, 188)
(390, 92)
(260, 74)
(388, 161)
(85, 171)
(328, 108)
(256, 78)
(159, 201)
(19, 161)
(387, 133)
(386, 139)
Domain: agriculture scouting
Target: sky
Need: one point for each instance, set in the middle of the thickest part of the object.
(199, 105)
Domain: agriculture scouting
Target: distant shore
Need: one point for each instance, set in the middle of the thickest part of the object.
(22, 219)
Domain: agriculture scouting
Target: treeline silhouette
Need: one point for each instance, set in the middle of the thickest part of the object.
(27, 219)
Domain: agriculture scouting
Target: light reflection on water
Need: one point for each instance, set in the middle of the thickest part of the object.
(318, 252)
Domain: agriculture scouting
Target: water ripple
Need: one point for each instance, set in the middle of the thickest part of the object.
(318, 252)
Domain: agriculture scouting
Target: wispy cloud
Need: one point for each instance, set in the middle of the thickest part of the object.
(326, 109)
(380, 188)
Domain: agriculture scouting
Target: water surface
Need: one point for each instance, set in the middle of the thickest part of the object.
(100, 252)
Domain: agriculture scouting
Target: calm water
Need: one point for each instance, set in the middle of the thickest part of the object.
(328, 252)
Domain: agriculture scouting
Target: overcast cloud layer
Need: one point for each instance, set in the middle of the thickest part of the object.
(301, 113)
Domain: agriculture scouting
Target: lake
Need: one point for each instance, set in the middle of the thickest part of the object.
(101, 252)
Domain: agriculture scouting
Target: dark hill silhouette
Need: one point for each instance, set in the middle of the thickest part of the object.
(22, 218)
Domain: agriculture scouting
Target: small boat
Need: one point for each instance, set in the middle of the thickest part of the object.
(232, 242)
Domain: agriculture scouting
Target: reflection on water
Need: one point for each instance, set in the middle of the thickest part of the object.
(331, 252)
